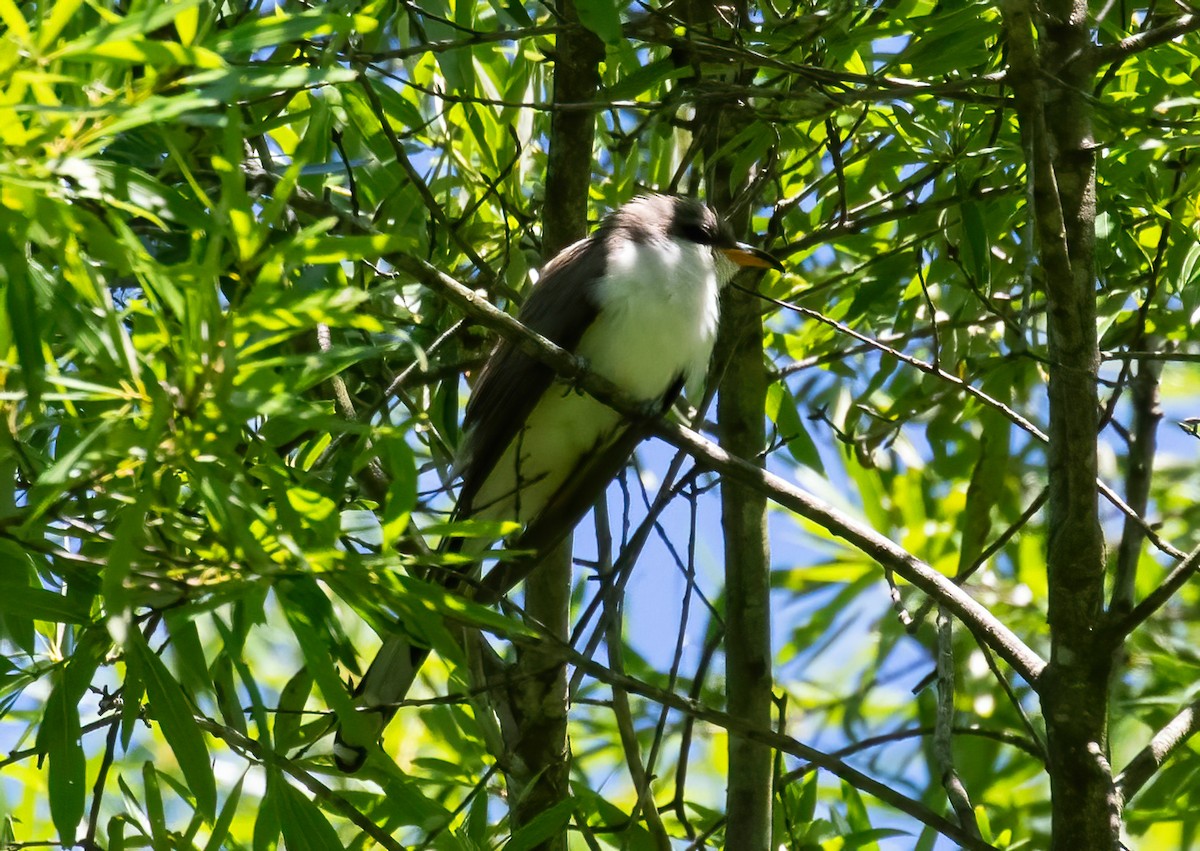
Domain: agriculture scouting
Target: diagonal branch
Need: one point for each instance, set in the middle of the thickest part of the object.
(986, 627)
(780, 742)
(1143, 41)
(1165, 743)
(966, 387)
(1156, 599)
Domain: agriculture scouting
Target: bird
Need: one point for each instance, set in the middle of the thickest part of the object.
(638, 301)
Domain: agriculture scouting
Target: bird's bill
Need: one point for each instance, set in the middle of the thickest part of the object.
(747, 255)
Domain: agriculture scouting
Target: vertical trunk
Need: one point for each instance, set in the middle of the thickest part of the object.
(540, 775)
(538, 735)
(747, 576)
(1052, 82)
(742, 429)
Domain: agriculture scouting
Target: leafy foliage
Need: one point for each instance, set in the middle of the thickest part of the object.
(225, 406)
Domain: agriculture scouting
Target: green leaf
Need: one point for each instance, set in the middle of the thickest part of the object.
(61, 739)
(601, 17)
(116, 833)
(311, 619)
(155, 811)
(289, 712)
(266, 821)
(229, 810)
(543, 826)
(256, 33)
(40, 604)
(304, 825)
(189, 653)
(23, 315)
(130, 189)
(141, 20)
(14, 21)
(976, 250)
(170, 708)
(401, 468)
(781, 409)
(228, 704)
(162, 54)
(645, 77)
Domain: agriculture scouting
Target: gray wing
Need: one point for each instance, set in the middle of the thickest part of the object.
(512, 382)
(583, 487)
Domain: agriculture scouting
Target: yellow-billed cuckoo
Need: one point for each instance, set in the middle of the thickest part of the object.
(638, 300)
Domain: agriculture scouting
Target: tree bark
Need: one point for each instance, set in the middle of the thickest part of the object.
(537, 733)
(741, 425)
(538, 709)
(1052, 82)
(742, 430)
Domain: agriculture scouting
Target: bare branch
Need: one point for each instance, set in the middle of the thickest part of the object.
(943, 742)
(924, 366)
(1138, 42)
(977, 618)
(1166, 742)
(1156, 599)
(780, 742)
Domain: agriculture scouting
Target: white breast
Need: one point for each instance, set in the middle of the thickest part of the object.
(659, 306)
(658, 317)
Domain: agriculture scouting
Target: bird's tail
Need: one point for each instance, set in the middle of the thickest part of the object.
(378, 695)
(392, 673)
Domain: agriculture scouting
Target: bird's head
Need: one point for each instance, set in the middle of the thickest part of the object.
(688, 220)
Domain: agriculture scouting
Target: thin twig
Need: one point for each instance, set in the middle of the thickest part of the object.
(943, 743)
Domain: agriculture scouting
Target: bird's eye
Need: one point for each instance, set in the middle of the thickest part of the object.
(697, 233)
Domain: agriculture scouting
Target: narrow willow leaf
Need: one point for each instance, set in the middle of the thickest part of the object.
(14, 21)
(60, 738)
(310, 617)
(170, 708)
(402, 493)
(976, 244)
(304, 826)
(40, 604)
(266, 822)
(224, 821)
(22, 308)
(601, 17)
(781, 409)
(542, 827)
(289, 712)
(155, 811)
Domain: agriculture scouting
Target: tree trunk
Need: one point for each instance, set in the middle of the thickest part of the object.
(1052, 82)
(538, 739)
(742, 428)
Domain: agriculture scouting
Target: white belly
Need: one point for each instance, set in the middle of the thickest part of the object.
(657, 323)
(564, 426)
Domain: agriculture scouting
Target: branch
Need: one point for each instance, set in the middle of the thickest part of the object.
(780, 742)
(1156, 599)
(1152, 757)
(1143, 41)
(319, 790)
(975, 616)
(435, 208)
(986, 627)
(943, 748)
(932, 369)
(1177, 357)
(1140, 459)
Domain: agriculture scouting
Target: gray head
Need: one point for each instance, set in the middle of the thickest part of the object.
(651, 218)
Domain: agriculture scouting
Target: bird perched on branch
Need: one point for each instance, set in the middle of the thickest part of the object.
(638, 300)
